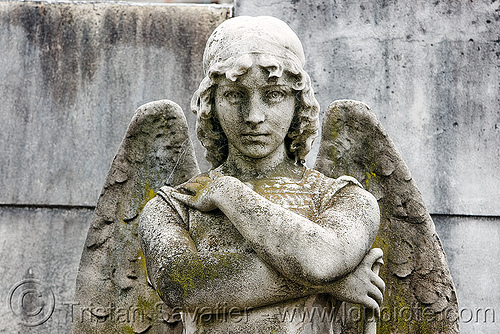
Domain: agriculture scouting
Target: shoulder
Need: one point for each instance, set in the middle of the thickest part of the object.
(163, 208)
(344, 189)
(327, 185)
(344, 201)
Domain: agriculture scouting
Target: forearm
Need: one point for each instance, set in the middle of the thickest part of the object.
(238, 281)
(300, 249)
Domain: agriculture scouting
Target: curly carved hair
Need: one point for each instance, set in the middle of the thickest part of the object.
(303, 129)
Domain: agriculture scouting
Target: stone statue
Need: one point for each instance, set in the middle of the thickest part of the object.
(260, 243)
(260, 231)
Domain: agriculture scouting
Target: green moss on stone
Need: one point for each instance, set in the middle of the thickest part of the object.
(142, 261)
(369, 176)
(128, 330)
(191, 272)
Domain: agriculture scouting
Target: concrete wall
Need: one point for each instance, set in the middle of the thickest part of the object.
(71, 77)
(431, 73)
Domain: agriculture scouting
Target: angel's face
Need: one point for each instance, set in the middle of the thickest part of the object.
(255, 111)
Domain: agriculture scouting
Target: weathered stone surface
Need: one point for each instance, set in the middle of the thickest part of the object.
(155, 151)
(260, 234)
(37, 137)
(429, 70)
(48, 241)
(471, 245)
(415, 271)
(71, 76)
(430, 73)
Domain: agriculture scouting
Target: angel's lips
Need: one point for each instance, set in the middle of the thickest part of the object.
(255, 135)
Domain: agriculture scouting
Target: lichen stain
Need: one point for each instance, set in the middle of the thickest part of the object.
(128, 330)
(142, 261)
(402, 313)
(191, 272)
(369, 176)
(150, 193)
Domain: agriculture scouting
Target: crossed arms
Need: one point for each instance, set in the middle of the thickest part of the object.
(293, 256)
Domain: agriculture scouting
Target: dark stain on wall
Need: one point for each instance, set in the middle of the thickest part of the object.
(73, 40)
(72, 75)
(51, 32)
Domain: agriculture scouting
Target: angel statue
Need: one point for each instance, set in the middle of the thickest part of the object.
(261, 243)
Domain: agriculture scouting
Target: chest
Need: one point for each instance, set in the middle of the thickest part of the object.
(214, 232)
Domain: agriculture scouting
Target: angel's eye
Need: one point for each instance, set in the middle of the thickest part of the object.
(274, 96)
(234, 96)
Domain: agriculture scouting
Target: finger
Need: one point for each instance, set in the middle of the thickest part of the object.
(186, 199)
(192, 188)
(376, 312)
(376, 295)
(377, 253)
(376, 309)
(379, 283)
(373, 255)
(371, 304)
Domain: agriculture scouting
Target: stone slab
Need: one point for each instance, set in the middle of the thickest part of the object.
(472, 248)
(49, 243)
(430, 71)
(71, 77)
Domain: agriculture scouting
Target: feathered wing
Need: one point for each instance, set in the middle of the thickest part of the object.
(420, 295)
(112, 292)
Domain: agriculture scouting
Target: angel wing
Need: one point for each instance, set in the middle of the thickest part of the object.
(112, 293)
(420, 295)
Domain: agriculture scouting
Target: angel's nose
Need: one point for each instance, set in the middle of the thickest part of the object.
(256, 112)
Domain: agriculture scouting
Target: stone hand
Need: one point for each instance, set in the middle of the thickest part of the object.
(362, 286)
(201, 192)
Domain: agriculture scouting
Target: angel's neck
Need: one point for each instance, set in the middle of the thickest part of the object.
(248, 169)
